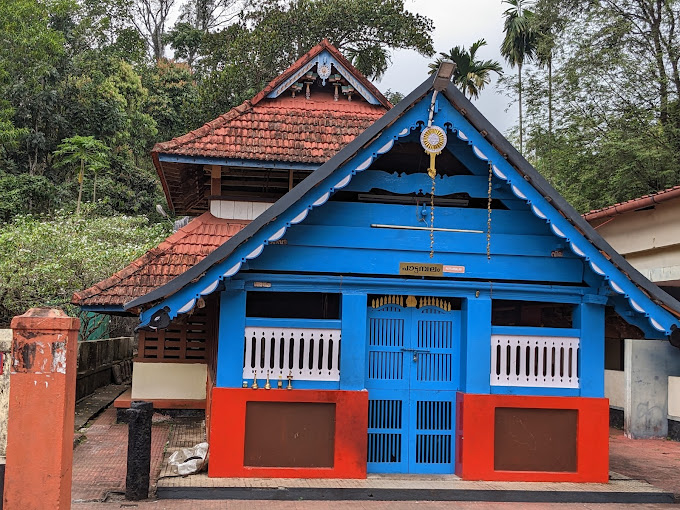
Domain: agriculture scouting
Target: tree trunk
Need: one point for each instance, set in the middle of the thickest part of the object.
(521, 132)
(550, 99)
(655, 27)
(81, 178)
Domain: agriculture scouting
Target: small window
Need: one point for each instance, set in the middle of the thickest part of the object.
(293, 305)
(531, 314)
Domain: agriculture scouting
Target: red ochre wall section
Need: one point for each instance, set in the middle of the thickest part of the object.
(228, 432)
(475, 437)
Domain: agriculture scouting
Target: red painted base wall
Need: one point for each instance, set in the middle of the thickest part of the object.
(475, 437)
(227, 432)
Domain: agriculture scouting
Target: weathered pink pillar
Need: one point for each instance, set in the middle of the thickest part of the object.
(41, 410)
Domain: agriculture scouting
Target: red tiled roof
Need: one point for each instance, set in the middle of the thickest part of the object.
(282, 129)
(182, 250)
(634, 204)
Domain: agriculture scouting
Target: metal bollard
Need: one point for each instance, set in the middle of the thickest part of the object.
(138, 418)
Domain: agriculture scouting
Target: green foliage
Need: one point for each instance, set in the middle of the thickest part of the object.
(43, 262)
(172, 98)
(601, 106)
(471, 75)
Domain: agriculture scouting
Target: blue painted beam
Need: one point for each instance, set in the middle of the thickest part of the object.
(237, 163)
(533, 331)
(415, 286)
(386, 262)
(292, 323)
(367, 238)
(402, 183)
(362, 214)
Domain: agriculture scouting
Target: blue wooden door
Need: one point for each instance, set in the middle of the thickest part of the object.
(412, 376)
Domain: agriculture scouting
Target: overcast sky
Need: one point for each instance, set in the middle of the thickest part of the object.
(456, 22)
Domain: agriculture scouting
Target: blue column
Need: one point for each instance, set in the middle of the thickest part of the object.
(353, 344)
(476, 345)
(231, 335)
(589, 318)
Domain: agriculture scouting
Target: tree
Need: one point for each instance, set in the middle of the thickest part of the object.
(519, 45)
(149, 17)
(471, 75)
(594, 119)
(88, 152)
(197, 19)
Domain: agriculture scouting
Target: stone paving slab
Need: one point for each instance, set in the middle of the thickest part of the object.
(92, 404)
(621, 489)
(100, 461)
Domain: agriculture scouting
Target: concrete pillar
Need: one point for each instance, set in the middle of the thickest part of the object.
(41, 410)
(647, 365)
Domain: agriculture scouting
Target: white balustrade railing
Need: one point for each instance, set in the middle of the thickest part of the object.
(537, 361)
(305, 353)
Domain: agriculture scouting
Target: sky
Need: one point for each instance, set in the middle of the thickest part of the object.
(456, 22)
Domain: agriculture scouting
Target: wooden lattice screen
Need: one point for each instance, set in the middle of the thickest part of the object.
(187, 340)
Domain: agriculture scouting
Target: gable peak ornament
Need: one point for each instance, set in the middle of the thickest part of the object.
(324, 71)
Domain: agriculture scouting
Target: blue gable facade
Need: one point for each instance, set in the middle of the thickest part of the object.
(423, 351)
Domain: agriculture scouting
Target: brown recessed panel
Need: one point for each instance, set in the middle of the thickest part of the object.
(289, 434)
(535, 439)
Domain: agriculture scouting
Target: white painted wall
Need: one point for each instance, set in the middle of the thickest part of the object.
(169, 381)
(674, 398)
(649, 239)
(236, 210)
(615, 388)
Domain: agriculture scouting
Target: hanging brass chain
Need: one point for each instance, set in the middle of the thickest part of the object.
(434, 175)
(488, 218)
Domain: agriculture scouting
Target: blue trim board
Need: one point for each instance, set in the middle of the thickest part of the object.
(238, 163)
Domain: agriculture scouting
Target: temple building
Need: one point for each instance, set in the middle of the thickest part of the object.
(377, 289)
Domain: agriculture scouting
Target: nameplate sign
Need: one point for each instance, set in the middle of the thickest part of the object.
(416, 269)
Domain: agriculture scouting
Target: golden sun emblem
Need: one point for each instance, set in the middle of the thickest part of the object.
(433, 139)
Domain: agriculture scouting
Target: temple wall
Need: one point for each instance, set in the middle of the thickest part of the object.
(172, 381)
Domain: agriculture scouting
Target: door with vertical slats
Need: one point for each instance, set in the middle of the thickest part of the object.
(412, 375)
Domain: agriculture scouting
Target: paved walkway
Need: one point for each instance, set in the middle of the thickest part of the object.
(100, 460)
(99, 475)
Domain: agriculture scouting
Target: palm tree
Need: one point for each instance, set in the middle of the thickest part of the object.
(471, 75)
(519, 45)
(86, 151)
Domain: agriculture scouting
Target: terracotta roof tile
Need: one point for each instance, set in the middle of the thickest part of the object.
(634, 204)
(182, 250)
(314, 128)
